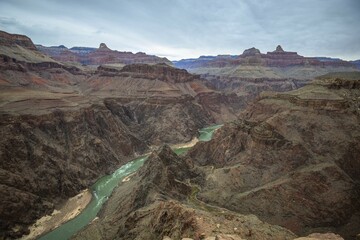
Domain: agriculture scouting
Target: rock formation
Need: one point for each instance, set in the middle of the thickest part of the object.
(101, 55)
(251, 52)
(103, 47)
(253, 72)
(279, 49)
(159, 203)
(276, 58)
(292, 159)
(7, 39)
(65, 125)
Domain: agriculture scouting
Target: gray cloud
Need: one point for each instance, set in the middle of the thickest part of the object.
(189, 28)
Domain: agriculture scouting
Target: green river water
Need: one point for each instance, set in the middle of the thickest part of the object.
(103, 188)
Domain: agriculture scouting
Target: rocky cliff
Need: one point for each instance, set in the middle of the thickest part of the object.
(7, 39)
(65, 125)
(291, 159)
(46, 159)
(253, 72)
(159, 203)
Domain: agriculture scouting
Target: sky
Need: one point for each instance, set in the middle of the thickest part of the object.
(179, 29)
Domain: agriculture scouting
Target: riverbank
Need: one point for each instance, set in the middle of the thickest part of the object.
(68, 211)
(185, 145)
(104, 186)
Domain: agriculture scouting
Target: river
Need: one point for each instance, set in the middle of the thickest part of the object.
(103, 188)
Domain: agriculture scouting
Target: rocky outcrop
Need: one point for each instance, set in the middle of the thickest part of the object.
(279, 49)
(7, 39)
(281, 58)
(103, 47)
(251, 52)
(288, 162)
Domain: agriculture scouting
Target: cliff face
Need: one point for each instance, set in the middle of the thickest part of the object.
(160, 202)
(291, 159)
(65, 125)
(48, 158)
(64, 143)
(7, 39)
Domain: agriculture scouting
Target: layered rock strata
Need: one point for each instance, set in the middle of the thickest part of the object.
(291, 159)
(159, 203)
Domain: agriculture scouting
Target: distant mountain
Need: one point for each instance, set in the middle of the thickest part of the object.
(253, 72)
(82, 50)
(356, 63)
(328, 59)
(98, 56)
(253, 57)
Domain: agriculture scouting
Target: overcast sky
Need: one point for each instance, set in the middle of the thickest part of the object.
(189, 28)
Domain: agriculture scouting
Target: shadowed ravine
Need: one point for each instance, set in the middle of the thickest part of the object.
(103, 188)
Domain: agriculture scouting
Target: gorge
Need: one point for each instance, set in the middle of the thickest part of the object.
(284, 165)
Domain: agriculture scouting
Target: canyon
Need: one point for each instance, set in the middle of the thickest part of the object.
(253, 72)
(65, 126)
(291, 159)
(285, 164)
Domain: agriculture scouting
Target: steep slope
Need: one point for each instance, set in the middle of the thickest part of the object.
(291, 159)
(21, 48)
(156, 204)
(162, 83)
